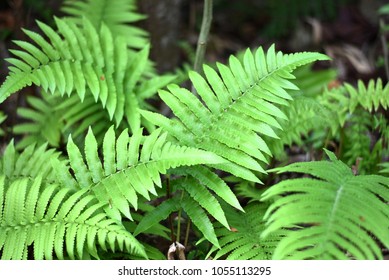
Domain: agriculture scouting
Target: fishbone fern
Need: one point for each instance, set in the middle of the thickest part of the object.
(118, 18)
(130, 166)
(362, 135)
(44, 122)
(31, 163)
(335, 215)
(239, 104)
(84, 61)
(86, 200)
(55, 221)
(244, 242)
(197, 199)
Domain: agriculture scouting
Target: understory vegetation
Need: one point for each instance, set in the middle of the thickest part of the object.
(97, 171)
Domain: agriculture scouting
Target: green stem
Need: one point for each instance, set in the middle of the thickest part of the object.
(384, 48)
(203, 37)
(187, 233)
(179, 220)
(171, 222)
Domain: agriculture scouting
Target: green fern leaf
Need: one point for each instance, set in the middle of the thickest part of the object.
(45, 124)
(200, 219)
(116, 17)
(204, 198)
(130, 166)
(213, 182)
(230, 123)
(244, 241)
(337, 216)
(45, 218)
(83, 60)
(159, 213)
(28, 164)
(370, 97)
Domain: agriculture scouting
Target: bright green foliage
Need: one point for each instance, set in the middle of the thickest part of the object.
(110, 82)
(305, 115)
(159, 213)
(84, 60)
(358, 146)
(244, 241)
(198, 187)
(347, 99)
(70, 63)
(44, 124)
(32, 162)
(240, 106)
(308, 121)
(335, 215)
(85, 201)
(363, 135)
(311, 82)
(370, 97)
(384, 167)
(130, 166)
(118, 17)
(55, 221)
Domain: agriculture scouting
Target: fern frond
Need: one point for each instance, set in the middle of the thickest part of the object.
(358, 144)
(130, 166)
(240, 106)
(119, 18)
(54, 221)
(28, 164)
(244, 241)
(346, 99)
(307, 119)
(212, 182)
(199, 218)
(370, 97)
(312, 82)
(203, 197)
(305, 115)
(335, 215)
(384, 167)
(80, 59)
(44, 122)
(159, 213)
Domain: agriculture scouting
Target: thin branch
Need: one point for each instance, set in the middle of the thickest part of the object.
(187, 233)
(178, 235)
(171, 222)
(203, 37)
(385, 48)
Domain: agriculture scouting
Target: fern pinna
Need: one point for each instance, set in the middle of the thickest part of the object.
(335, 215)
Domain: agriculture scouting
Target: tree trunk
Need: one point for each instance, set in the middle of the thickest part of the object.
(164, 23)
